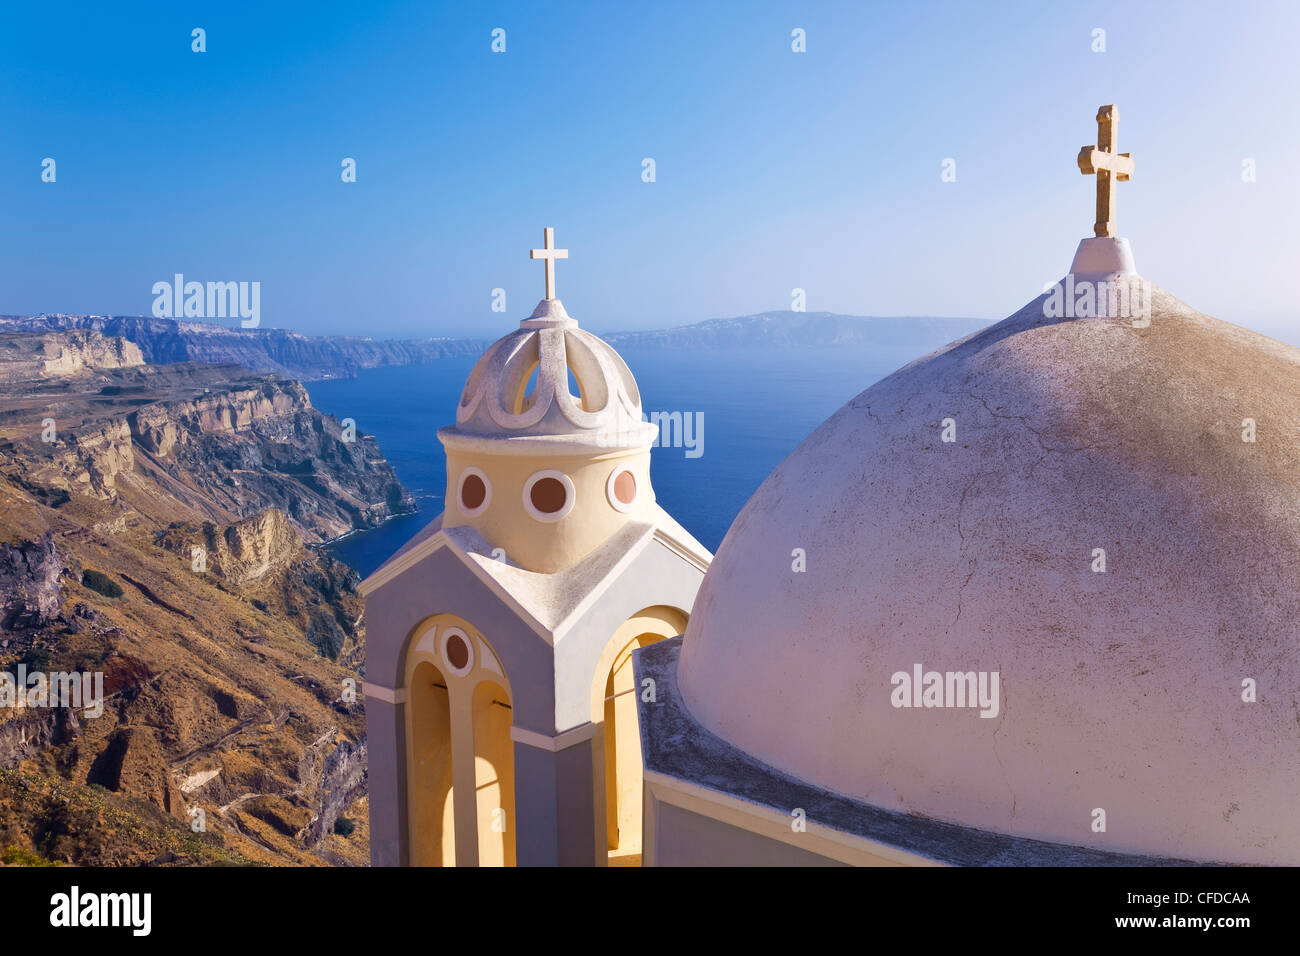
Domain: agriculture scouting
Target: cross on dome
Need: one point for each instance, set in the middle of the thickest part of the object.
(1107, 164)
(550, 254)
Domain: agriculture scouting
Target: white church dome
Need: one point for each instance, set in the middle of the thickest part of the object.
(1114, 529)
(552, 378)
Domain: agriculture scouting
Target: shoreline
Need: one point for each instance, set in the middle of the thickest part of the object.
(354, 532)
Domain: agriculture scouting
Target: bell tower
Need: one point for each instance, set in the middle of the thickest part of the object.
(500, 708)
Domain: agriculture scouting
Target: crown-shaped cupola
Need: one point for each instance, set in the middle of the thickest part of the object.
(549, 455)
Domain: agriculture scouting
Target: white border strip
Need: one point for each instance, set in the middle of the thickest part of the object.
(389, 695)
(557, 743)
(771, 823)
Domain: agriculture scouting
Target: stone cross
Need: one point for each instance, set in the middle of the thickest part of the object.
(1107, 164)
(550, 254)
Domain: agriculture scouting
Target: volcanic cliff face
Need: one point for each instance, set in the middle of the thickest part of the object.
(178, 442)
(89, 460)
(276, 351)
(25, 358)
(262, 443)
(30, 592)
(155, 530)
(241, 552)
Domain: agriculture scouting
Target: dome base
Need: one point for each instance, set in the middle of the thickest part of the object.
(549, 314)
(1103, 257)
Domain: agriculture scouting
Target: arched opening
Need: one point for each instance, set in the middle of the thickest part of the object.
(614, 705)
(575, 389)
(432, 833)
(622, 758)
(586, 374)
(494, 774)
(526, 395)
(459, 754)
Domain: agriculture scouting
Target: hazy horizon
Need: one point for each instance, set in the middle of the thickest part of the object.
(1288, 333)
(232, 324)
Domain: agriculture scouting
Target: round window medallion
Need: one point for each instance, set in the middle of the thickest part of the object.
(548, 495)
(621, 488)
(457, 652)
(474, 493)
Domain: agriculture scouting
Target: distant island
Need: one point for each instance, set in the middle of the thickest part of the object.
(803, 330)
(308, 358)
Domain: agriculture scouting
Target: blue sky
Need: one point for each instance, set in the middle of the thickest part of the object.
(774, 170)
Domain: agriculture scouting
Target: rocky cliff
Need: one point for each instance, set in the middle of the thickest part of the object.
(277, 351)
(168, 443)
(241, 552)
(30, 592)
(231, 730)
(32, 357)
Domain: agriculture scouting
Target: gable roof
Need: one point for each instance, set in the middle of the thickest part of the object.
(549, 603)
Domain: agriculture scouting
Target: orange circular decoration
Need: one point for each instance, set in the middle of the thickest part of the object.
(548, 495)
(473, 492)
(457, 651)
(625, 487)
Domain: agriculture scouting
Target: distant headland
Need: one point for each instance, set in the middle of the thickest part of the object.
(306, 357)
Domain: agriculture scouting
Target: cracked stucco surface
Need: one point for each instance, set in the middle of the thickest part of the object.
(1120, 690)
(674, 744)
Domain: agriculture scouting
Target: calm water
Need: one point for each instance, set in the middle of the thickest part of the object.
(756, 408)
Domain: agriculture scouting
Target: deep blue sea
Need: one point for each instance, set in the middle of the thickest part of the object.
(756, 407)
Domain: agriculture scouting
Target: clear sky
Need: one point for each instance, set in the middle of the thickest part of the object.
(774, 170)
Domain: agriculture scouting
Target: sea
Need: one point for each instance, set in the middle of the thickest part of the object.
(748, 409)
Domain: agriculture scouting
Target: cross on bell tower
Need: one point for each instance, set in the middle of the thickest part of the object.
(1107, 164)
(550, 254)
